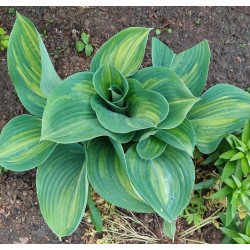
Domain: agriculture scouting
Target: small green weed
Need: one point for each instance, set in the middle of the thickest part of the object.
(3, 170)
(44, 34)
(4, 39)
(197, 21)
(84, 44)
(169, 31)
(157, 31)
(11, 11)
(243, 45)
(196, 209)
(51, 20)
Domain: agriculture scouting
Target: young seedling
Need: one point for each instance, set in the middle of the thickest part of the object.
(43, 34)
(84, 44)
(11, 11)
(197, 21)
(157, 31)
(51, 20)
(169, 30)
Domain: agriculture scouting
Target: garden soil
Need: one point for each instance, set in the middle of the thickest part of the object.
(228, 33)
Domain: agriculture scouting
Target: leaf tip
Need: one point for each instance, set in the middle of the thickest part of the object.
(18, 15)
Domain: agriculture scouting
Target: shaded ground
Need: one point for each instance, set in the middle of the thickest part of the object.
(226, 29)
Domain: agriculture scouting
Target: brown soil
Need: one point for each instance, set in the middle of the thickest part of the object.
(226, 29)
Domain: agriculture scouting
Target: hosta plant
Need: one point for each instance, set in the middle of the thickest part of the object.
(128, 131)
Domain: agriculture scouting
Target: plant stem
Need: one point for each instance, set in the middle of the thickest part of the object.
(195, 241)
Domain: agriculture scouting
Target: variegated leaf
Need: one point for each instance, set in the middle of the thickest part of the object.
(221, 110)
(29, 66)
(190, 65)
(150, 148)
(107, 174)
(164, 81)
(62, 188)
(124, 50)
(165, 182)
(20, 146)
(182, 137)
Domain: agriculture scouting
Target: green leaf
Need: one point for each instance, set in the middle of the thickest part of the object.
(221, 193)
(107, 174)
(228, 170)
(219, 162)
(20, 146)
(204, 184)
(195, 219)
(2, 31)
(145, 109)
(78, 122)
(246, 226)
(221, 110)
(245, 238)
(5, 43)
(237, 181)
(213, 157)
(80, 46)
(234, 204)
(229, 215)
(237, 142)
(88, 49)
(157, 31)
(228, 155)
(49, 78)
(150, 148)
(62, 188)
(182, 137)
(245, 201)
(85, 37)
(230, 233)
(95, 215)
(191, 65)
(169, 229)
(238, 156)
(168, 84)
(29, 66)
(231, 226)
(245, 137)
(165, 182)
(125, 51)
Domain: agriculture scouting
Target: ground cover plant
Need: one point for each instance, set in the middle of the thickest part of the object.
(130, 132)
